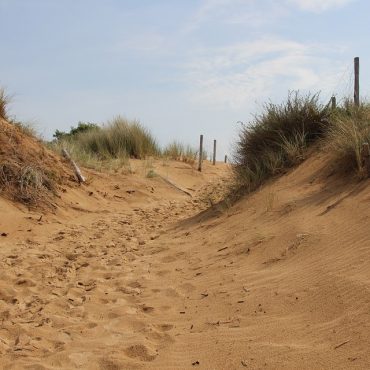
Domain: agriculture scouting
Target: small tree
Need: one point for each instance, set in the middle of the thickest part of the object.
(81, 127)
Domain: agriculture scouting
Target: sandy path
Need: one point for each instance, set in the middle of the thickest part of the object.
(72, 292)
(280, 281)
(70, 300)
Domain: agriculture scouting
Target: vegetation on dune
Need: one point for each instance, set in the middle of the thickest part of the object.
(119, 139)
(28, 183)
(273, 141)
(4, 100)
(26, 128)
(276, 139)
(81, 127)
(28, 173)
(178, 151)
(348, 131)
(111, 145)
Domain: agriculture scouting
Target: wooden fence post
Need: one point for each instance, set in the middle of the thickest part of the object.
(333, 102)
(357, 82)
(200, 153)
(214, 152)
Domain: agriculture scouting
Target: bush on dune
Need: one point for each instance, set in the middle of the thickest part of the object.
(276, 139)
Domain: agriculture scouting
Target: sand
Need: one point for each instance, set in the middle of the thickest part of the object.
(132, 273)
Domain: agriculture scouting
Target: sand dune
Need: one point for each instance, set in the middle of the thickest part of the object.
(132, 273)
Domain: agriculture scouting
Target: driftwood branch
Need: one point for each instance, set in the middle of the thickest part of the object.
(77, 171)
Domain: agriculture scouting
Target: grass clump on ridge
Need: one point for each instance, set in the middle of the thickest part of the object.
(26, 128)
(119, 139)
(348, 131)
(276, 139)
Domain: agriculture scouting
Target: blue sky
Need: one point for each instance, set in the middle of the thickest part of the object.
(181, 67)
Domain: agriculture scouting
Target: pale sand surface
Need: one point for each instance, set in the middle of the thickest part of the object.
(137, 275)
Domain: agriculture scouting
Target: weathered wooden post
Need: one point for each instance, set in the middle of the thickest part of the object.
(357, 82)
(333, 102)
(214, 152)
(225, 158)
(200, 153)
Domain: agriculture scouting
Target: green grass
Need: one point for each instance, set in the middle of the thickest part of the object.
(277, 138)
(118, 140)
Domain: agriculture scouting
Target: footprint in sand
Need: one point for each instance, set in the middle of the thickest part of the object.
(163, 272)
(172, 293)
(140, 352)
(147, 309)
(169, 259)
(187, 287)
(107, 364)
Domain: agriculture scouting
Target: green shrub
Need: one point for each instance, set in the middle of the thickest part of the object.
(81, 127)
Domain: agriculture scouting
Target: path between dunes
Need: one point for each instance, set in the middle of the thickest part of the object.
(145, 281)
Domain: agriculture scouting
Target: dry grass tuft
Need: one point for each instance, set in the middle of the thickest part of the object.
(4, 101)
(180, 152)
(26, 183)
(29, 173)
(348, 131)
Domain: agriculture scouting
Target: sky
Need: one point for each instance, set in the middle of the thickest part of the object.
(182, 67)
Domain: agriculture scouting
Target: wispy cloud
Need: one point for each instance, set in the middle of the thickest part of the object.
(254, 13)
(242, 73)
(319, 6)
(249, 13)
